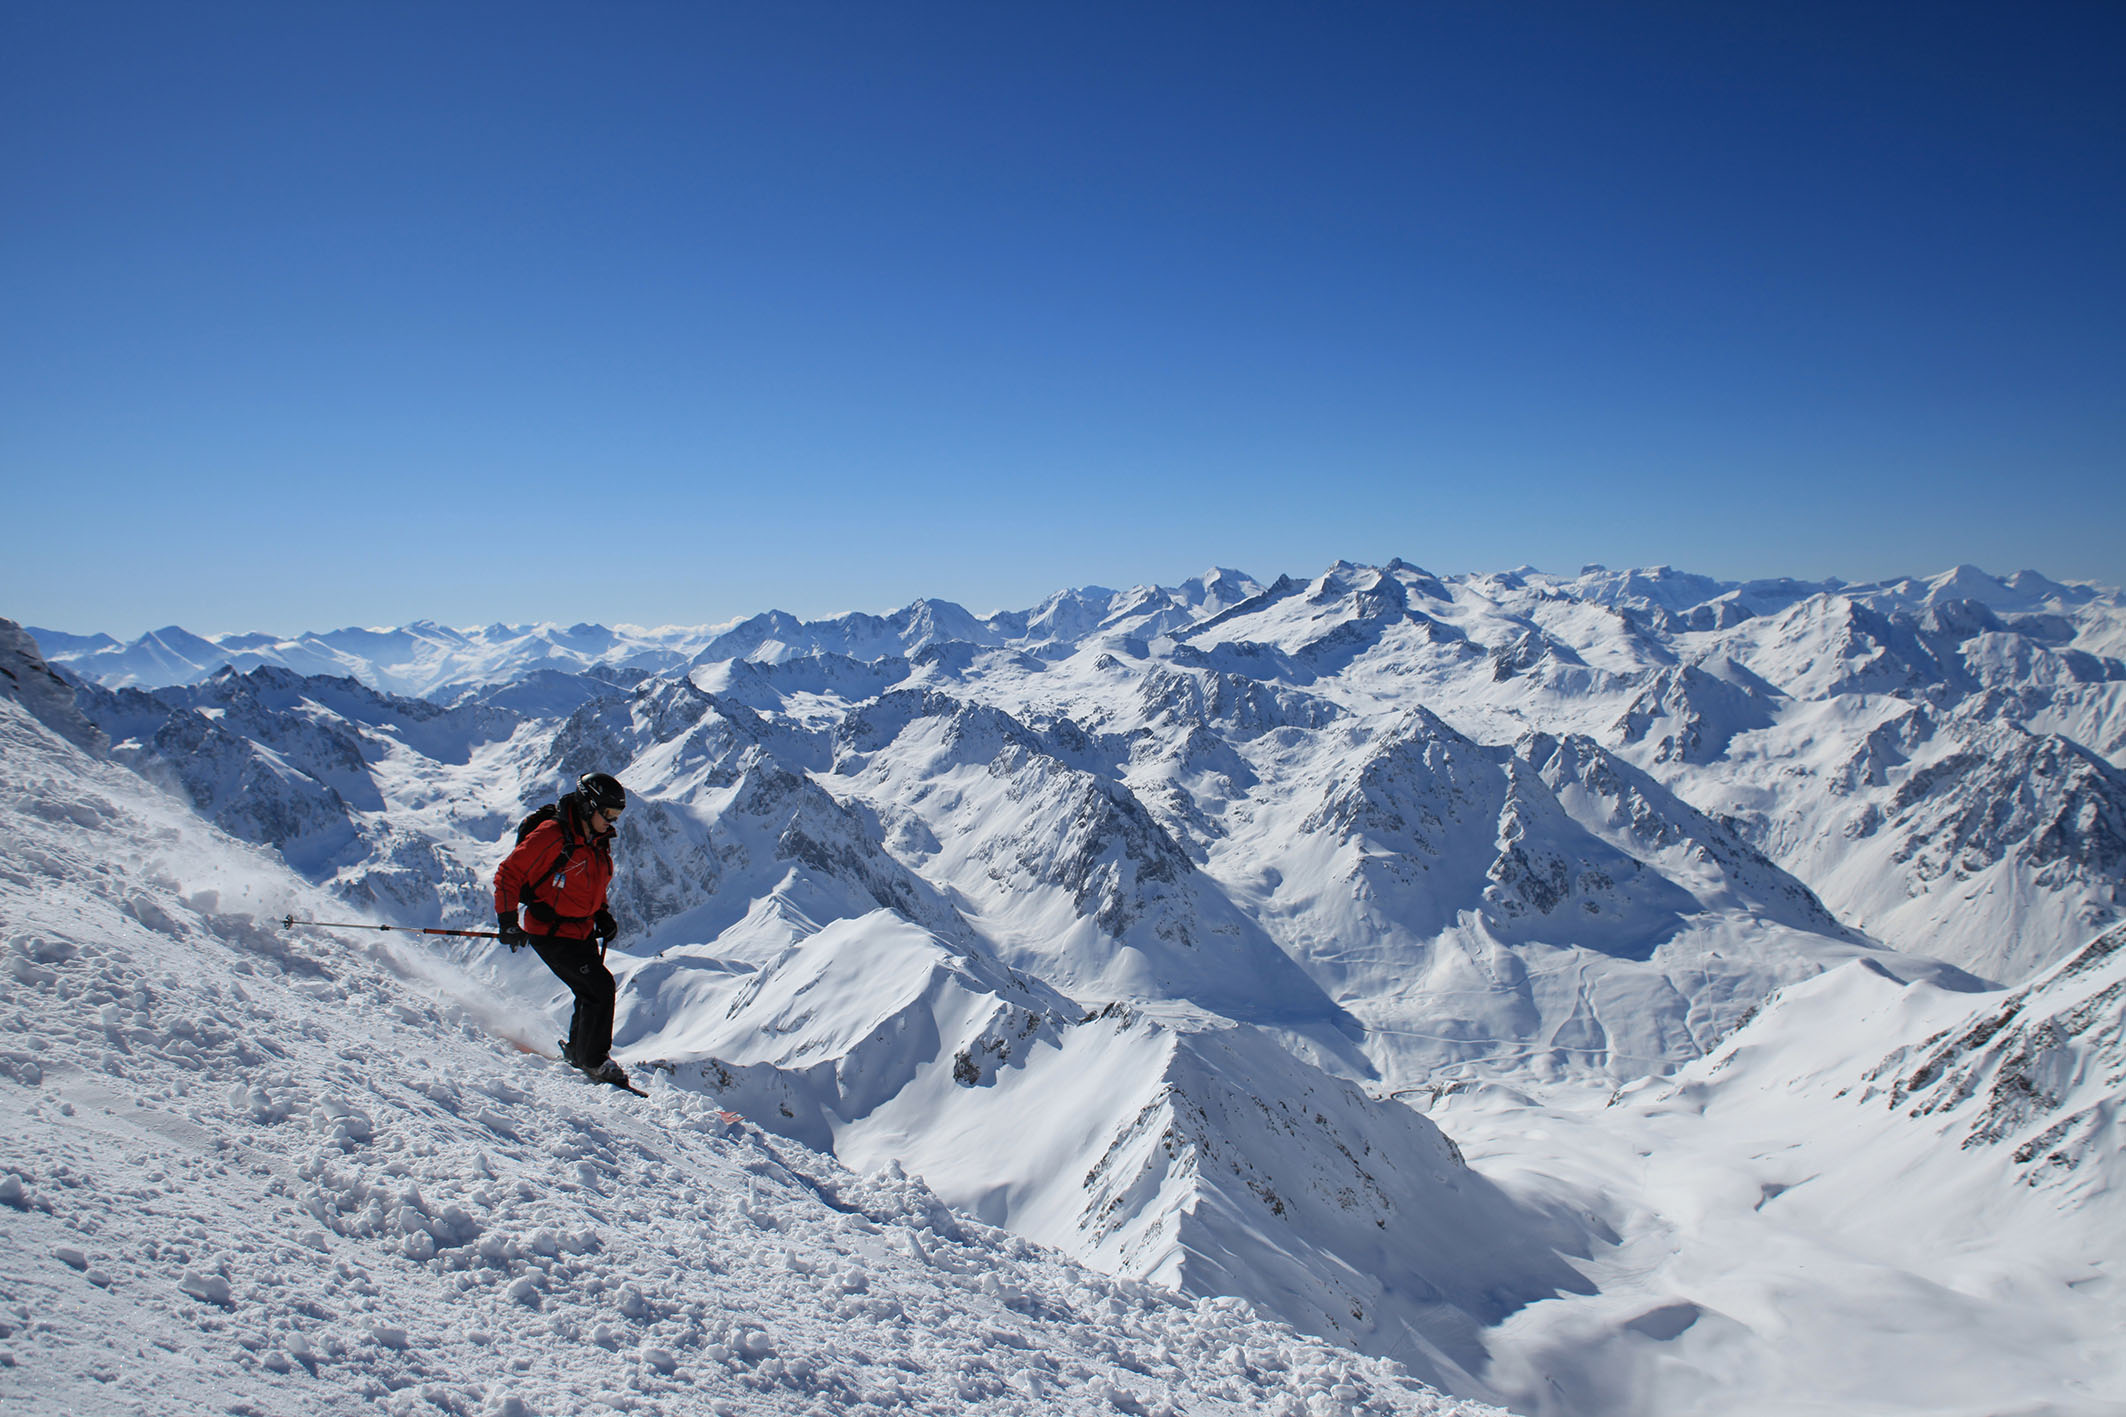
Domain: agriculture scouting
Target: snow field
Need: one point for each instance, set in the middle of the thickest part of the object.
(243, 1171)
(1788, 1241)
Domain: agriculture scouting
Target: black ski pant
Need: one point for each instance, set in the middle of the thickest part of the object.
(578, 963)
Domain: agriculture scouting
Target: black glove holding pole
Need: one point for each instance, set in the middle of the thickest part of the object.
(511, 933)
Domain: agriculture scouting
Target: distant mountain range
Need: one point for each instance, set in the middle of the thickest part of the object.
(428, 659)
(425, 659)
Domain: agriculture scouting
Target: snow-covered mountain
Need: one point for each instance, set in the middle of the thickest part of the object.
(1474, 810)
(422, 658)
(431, 660)
(259, 1171)
(1208, 1159)
(1154, 865)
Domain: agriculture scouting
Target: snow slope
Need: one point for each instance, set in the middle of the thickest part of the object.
(1205, 1158)
(252, 1171)
(1880, 1197)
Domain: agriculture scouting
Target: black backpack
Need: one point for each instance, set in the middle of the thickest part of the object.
(539, 909)
(549, 813)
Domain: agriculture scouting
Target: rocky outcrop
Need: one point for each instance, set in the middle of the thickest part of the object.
(2041, 1072)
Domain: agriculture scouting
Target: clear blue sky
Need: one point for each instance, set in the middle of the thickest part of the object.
(328, 313)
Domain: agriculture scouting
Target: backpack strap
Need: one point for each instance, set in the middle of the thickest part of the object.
(538, 909)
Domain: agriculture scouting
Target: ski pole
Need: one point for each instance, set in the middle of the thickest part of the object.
(290, 922)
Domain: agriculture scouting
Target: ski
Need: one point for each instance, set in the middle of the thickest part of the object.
(592, 1075)
(627, 1086)
(562, 1057)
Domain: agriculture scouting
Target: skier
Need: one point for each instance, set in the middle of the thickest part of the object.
(558, 873)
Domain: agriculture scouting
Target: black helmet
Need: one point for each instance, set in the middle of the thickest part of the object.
(601, 791)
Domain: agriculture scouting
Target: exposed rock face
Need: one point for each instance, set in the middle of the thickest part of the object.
(2057, 806)
(2042, 1070)
(30, 681)
(1689, 715)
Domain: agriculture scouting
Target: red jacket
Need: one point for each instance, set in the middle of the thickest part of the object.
(575, 893)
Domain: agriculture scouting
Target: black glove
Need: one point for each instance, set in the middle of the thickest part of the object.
(507, 927)
(604, 926)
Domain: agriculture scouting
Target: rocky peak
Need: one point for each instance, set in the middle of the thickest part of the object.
(27, 679)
